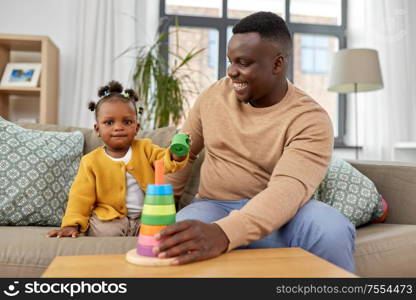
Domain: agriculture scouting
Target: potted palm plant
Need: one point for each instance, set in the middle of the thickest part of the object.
(161, 86)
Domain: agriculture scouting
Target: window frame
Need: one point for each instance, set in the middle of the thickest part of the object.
(221, 24)
(313, 69)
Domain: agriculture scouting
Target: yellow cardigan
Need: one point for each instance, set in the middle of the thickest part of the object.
(100, 185)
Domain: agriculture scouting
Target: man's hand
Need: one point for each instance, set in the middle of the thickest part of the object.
(191, 241)
(68, 231)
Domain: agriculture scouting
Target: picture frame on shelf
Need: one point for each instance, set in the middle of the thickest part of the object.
(21, 75)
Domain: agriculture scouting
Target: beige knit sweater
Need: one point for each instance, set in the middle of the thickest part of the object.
(276, 156)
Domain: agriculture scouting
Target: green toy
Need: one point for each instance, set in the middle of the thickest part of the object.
(180, 144)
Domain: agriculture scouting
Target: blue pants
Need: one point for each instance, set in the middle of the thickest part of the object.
(317, 228)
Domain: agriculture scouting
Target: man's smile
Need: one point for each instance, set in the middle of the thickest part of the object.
(239, 86)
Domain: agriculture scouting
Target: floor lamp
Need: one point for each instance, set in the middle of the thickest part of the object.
(353, 71)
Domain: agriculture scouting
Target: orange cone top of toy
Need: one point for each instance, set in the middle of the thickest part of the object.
(159, 172)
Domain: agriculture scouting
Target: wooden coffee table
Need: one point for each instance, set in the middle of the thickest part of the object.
(253, 263)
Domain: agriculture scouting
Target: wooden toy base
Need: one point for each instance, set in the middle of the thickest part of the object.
(137, 259)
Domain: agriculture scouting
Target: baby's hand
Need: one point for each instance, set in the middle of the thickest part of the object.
(177, 157)
(67, 231)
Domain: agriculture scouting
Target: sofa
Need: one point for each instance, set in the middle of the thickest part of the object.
(382, 250)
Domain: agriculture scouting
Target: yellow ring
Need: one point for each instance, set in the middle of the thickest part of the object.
(158, 210)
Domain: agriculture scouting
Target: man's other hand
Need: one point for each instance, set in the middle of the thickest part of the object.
(191, 241)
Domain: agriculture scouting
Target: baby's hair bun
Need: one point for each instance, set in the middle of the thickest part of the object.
(132, 95)
(115, 87)
(112, 87)
(104, 90)
(92, 106)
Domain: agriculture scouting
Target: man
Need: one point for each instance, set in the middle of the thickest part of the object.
(267, 147)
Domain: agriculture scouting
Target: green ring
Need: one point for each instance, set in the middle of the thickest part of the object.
(159, 199)
(158, 220)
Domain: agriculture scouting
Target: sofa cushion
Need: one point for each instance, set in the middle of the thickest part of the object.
(396, 181)
(91, 140)
(386, 250)
(351, 192)
(161, 136)
(192, 186)
(26, 251)
(36, 171)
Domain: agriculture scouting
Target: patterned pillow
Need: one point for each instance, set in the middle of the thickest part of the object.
(351, 192)
(383, 213)
(36, 171)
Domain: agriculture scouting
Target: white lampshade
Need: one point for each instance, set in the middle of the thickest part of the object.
(355, 70)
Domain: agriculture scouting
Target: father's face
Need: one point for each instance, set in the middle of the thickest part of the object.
(253, 67)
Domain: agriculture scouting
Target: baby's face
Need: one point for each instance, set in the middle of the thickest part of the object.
(117, 126)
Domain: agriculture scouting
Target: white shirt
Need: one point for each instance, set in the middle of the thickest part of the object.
(134, 194)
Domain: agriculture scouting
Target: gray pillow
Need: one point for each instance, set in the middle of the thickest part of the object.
(160, 136)
(36, 171)
(350, 192)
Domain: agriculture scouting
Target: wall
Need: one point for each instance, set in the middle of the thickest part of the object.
(58, 20)
(42, 17)
(387, 116)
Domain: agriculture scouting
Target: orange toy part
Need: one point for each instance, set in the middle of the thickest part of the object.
(159, 171)
(150, 230)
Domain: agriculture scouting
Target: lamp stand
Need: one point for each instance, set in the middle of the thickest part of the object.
(356, 120)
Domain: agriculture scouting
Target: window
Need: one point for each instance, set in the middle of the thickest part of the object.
(314, 54)
(311, 64)
(211, 8)
(316, 12)
(318, 30)
(203, 68)
(238, 9)
(212, 49)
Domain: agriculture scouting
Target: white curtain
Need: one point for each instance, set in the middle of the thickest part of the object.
(386, 116)
(103, 30)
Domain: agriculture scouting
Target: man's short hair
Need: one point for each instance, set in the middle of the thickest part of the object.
(269, 26)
